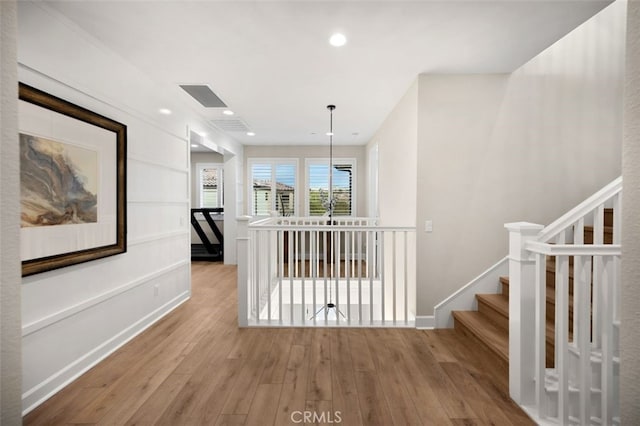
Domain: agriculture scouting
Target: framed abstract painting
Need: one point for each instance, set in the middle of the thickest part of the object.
(72, 183)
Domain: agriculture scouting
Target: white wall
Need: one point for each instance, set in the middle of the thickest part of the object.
(630, 343)
(74, 317)
(10, 348)
(501, 148)
(397, 171)
(302, 152)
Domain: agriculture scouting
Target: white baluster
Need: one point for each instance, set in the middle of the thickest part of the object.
(578, 239)
(336, 274)
(347, 269)
(273, 254)
(280, 239)
(562, 337)
(325, 247)
(314, 253)
(598, 238)
(360, 277)
(303, 266)
(371, 241)
(394, 260)
(296, 252)
(291, 269)
(582, 338)
(406, 278)
(381, 244)
(606, 297)
(258, 277)
(353, 253)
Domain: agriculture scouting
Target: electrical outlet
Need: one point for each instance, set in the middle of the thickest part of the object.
(428, 226)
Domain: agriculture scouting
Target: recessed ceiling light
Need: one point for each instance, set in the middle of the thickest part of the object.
(338, 40)
(194, 145)
(329, 133)
(165, 111)
(251, 134)
(227, 112)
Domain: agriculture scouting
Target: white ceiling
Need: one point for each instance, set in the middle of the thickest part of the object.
(271, 63)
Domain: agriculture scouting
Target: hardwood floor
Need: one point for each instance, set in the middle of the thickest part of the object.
(196, 367)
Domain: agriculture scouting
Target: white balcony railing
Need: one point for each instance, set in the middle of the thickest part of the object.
(312, 272)
(578, 382)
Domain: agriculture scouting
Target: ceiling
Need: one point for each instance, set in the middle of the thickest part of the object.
(271, 62)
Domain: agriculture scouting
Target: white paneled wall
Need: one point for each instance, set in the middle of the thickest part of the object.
(74, 317)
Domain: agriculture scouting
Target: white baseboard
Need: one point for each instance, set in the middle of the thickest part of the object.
(35, 396)
(424, 322)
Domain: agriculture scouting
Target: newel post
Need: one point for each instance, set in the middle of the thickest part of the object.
(243, 270)
(522, 276)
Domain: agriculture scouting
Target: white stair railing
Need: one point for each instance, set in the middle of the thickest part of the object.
(309, 272)
(581, 384)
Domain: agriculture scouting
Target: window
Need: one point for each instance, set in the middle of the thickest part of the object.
(273, 186)
(210, 185)
(343, 186)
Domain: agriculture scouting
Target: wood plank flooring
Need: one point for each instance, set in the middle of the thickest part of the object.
(196, 367)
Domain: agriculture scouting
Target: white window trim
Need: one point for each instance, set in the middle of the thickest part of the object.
(325, 161)
(273, 161)
(199, 193)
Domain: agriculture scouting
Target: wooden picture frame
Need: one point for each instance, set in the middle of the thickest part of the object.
(73, 183)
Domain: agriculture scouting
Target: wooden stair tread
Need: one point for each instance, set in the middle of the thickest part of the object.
(498, 302)
(485, 331)
(551, 293)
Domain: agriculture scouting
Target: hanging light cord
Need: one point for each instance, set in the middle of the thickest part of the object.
(331, 201)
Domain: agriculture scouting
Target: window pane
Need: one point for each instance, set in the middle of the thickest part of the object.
(209, 195)
(274, 184)
(261, 177)
(285, 189)
(342, 189)
(319, 189)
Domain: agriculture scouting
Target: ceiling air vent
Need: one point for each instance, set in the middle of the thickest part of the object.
(203, 94)
(230, 124)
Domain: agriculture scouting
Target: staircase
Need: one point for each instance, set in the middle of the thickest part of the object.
(565, 364)
(489, 324)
